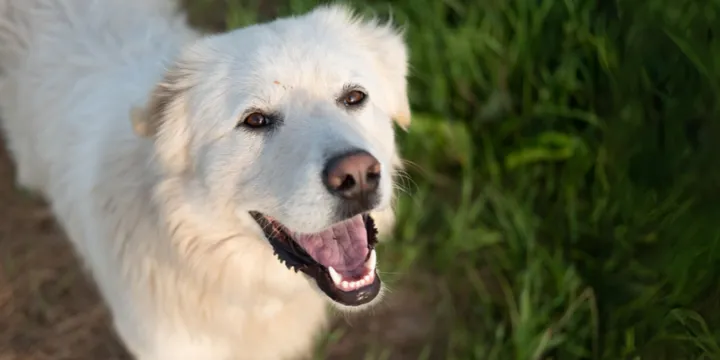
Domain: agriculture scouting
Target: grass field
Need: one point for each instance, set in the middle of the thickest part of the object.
(562, 199)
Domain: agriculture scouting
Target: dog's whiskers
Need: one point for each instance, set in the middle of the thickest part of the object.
(413, 164)
(403, 182)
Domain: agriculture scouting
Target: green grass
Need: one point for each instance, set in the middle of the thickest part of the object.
(565, 173)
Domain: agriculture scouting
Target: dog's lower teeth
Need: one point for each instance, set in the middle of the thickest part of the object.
(334, 275)
(371, 261)
(338, 280)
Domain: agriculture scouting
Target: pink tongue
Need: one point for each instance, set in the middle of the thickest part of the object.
(343, 246)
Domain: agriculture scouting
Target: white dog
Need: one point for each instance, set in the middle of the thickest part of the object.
(220, 189)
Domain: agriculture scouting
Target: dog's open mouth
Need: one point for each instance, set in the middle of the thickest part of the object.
(341, 259)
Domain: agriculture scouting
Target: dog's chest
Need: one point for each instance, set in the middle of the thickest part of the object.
(275, 327)
(268, 308)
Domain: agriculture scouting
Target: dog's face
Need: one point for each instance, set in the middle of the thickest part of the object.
(291, 122)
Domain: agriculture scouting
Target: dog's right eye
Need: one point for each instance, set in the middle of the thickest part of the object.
(353, 98)
(256, 120)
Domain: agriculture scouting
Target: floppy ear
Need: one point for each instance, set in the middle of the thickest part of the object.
(140, 122)
(390, 50)
(164, 118)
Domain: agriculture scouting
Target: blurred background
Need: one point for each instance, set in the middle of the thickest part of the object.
(562, 197)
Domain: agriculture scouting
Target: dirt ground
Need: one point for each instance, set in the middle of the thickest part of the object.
(49, 310)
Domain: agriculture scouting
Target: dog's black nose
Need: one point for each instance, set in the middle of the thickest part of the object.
(354, 176)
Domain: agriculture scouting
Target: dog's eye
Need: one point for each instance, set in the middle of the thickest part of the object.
(353, 98)
(256, 120)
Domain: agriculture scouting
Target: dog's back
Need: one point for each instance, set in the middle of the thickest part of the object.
(75, 58)
(70, 72)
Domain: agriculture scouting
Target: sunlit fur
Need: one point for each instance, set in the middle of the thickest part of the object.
(124, 119)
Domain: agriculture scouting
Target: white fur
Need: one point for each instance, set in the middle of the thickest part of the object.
(161, 221)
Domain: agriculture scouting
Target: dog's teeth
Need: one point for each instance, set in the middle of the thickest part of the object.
(368, 279)
(349, 285)
(372, 261)
(336, 278)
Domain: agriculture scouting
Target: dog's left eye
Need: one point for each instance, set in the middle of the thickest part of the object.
(256, 120)
(354, 98)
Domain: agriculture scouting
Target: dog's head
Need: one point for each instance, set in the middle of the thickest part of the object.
(292, 122)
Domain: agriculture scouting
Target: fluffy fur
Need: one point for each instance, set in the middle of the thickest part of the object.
(161, 220)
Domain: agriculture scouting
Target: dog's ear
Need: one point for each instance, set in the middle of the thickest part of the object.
(391, 54)
(141, 124)
(164, 118)
(146, 119)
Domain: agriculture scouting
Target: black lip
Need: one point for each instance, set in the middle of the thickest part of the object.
(295, 258)
(356, 297)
